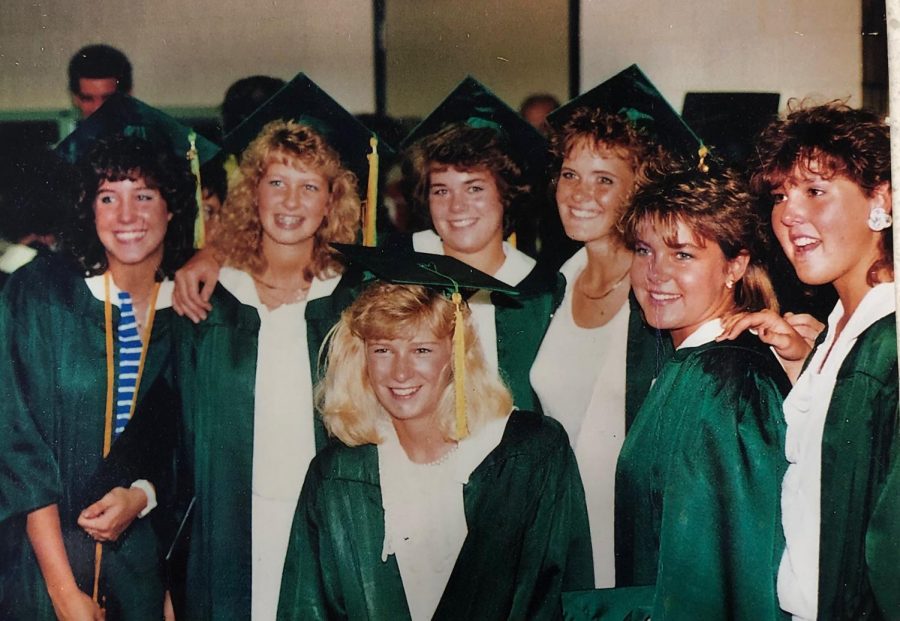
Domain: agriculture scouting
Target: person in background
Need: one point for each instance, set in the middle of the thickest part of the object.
(469, 164)
(825, 172)
(244, 97)
(428, 506)
(36, 190)
(214, 192)
(535, 109)
(95, 73)
(599, 357)
(696, 512)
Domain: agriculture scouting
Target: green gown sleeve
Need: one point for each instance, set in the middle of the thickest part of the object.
(883, 540)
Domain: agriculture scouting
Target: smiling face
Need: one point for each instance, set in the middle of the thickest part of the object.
(821, 223)
(681, 283)
(466, 211)
(131, 219)
(292, 201)
(409, 375)
(591, 191)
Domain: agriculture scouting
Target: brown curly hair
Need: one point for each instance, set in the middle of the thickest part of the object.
(717, 207)
(117, 158)
(239, 236)
(601, 130)
(829, 140)
(464, 147)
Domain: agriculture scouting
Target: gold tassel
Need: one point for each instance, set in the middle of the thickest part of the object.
(703, 152)
(459, 366)
(511, 240)
(199, 221)
(369, 214)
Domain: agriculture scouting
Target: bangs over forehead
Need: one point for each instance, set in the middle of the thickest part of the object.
(386, 311)
(805, 163)
(666, 225)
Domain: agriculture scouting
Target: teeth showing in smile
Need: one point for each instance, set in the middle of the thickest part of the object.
(288, 221)
(803, 242)
(130, 236)
(458, 224)
(404, 392)
(663, 297)
(583, 213)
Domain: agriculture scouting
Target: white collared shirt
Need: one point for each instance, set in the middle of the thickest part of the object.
(284, 439)
(424, 513)
(805, 411)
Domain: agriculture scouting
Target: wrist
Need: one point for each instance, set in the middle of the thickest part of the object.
(147, 499)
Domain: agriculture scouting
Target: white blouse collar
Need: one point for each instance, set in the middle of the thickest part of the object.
(95, 285)
(515, 268)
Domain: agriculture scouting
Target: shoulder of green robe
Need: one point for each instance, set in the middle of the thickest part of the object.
(875, 352)
(734, 362)
(229, 312)
(339, 462)
(48, 279)
(529, 434)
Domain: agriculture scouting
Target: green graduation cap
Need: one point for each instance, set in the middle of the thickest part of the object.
(303, 101)
(631, 94)
(403, 266)
(474, 104)
(407, 267)
(123, 114)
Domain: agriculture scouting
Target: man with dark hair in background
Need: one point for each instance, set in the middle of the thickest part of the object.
(95, 73)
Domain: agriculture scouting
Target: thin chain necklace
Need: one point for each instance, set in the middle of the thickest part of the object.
(605, 293)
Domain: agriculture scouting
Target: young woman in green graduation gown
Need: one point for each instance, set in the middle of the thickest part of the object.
(246, 372)
(826, 173)
(413, 515)
(470, 177)
(697, 532)
(598, 358)
(58, 323)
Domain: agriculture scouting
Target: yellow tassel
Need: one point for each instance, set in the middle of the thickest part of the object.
(199, 221)
(369, 214)
(459, 366)
(703, 152)
(511, 240)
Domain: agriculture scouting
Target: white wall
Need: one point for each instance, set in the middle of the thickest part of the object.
(800, 48)
(516, 48)
(187, 52)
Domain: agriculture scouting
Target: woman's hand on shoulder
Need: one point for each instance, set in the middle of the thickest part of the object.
(806, 325)
(194, 285)
(109, 517)
(789, 341)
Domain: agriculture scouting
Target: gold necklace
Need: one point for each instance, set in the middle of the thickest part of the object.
(605, 293)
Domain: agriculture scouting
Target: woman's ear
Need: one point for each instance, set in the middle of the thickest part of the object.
(881, 196)
(737, 267)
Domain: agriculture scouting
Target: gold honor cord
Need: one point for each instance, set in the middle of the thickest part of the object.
(110, 388)
(370, 212)
(199, 221)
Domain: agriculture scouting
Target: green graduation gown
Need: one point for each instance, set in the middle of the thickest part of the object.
(216, 372)
(698, 531)
(52, 412)
(527, 535)
(859, 565)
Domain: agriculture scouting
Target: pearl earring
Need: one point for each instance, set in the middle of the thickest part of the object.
(729, 284)
(879, 219)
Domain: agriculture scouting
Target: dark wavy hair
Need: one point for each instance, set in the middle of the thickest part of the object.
(717, 207)
(829, 140)
(464, 147)
(130, 157)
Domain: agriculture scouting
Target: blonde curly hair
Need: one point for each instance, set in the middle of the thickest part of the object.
(239, 235)
(346, 399)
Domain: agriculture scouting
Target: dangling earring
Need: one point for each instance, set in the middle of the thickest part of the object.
(729, 284)
(879, 219)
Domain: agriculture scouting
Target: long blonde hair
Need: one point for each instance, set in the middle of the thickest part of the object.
(239, 236)
(350, 410)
